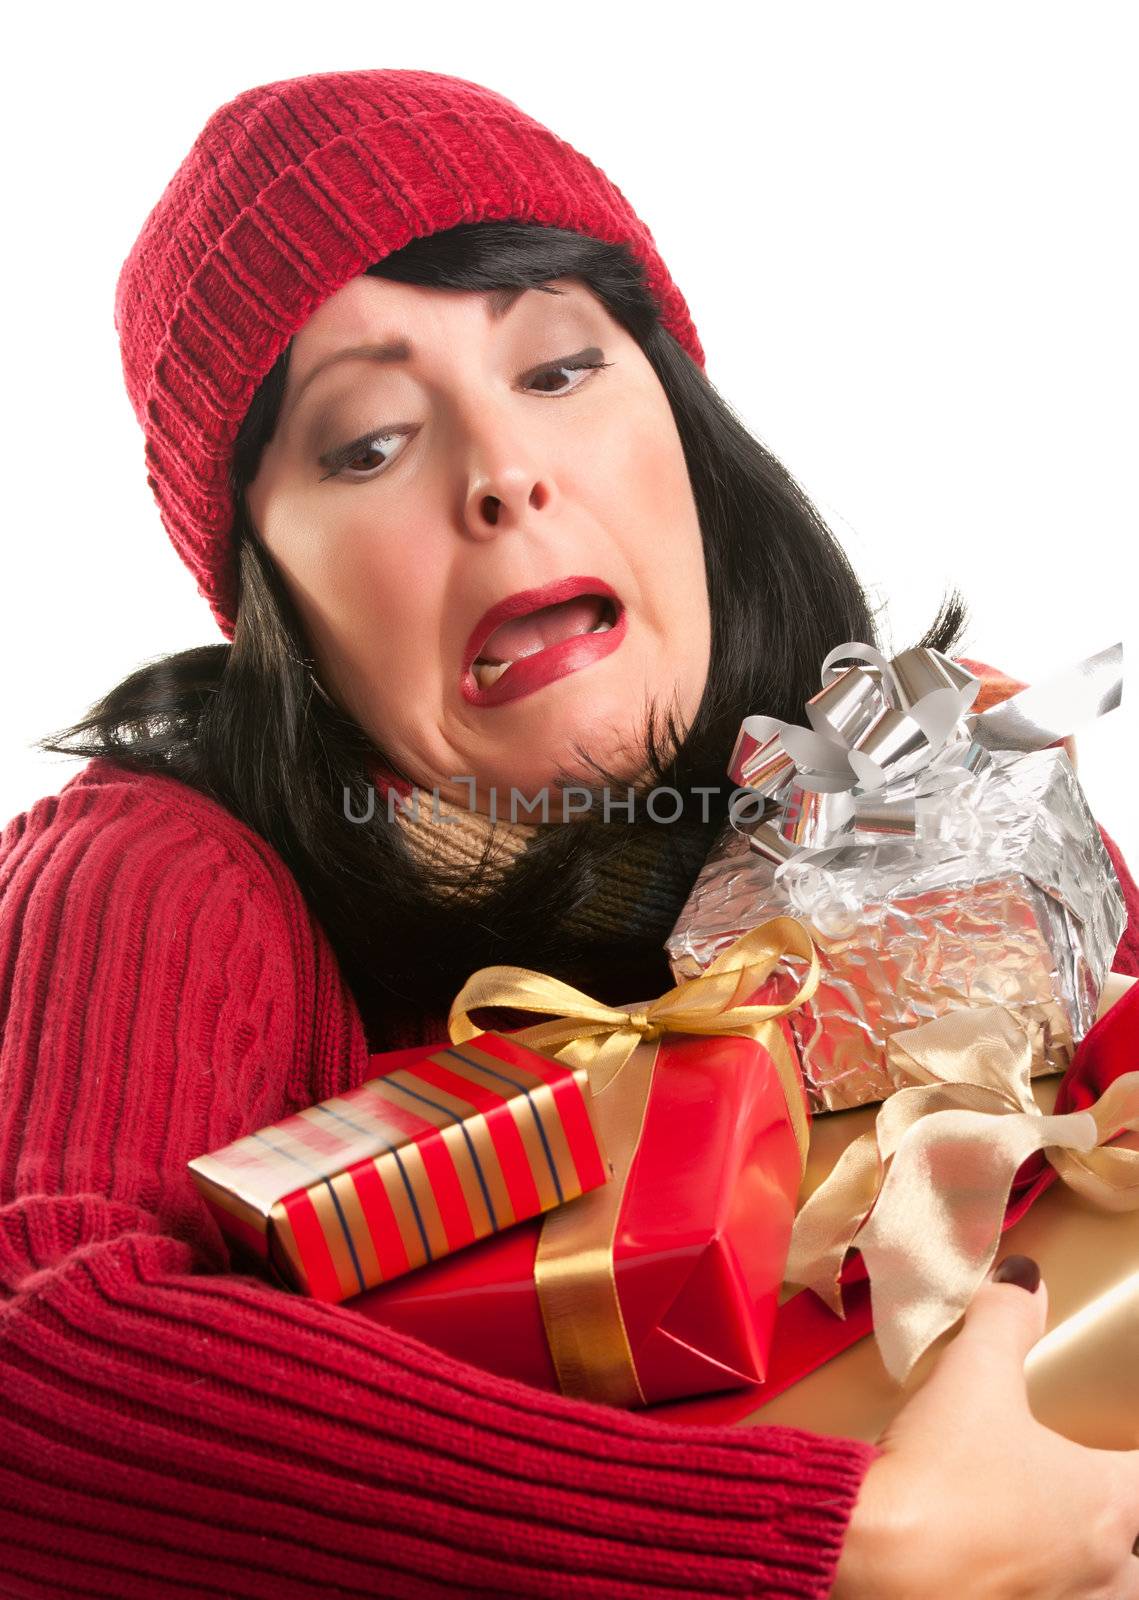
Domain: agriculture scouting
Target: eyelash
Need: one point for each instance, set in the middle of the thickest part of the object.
(339, 459)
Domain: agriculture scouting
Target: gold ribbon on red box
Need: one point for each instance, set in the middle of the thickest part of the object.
(574, 1270)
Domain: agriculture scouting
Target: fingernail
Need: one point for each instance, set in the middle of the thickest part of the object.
(1021, 1270)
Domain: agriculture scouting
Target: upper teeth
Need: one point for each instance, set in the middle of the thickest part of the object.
(488, 672)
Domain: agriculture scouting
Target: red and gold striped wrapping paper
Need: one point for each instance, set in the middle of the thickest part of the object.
(407, 1167)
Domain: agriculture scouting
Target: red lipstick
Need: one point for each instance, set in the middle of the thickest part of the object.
(531, 672)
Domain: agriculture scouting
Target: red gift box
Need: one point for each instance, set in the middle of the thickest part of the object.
(698, 1245)
(659, 1280)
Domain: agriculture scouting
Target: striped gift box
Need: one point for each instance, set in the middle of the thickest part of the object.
(407, 1167)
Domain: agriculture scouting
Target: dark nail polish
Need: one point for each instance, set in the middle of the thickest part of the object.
(1021, 1270)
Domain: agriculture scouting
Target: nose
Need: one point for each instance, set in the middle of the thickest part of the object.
(506, 486)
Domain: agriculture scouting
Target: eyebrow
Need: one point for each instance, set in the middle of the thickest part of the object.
(497, 303)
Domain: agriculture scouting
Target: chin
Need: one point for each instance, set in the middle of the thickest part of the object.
(567, 768)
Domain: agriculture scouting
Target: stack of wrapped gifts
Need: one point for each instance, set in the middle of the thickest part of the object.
(600, 1204)
(707, 1200)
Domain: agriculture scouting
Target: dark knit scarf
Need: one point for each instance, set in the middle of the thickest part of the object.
(640, 896)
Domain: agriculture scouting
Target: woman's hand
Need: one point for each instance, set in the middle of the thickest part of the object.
(973, 1497)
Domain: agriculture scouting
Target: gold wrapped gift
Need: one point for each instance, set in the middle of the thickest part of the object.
(1083, 1374)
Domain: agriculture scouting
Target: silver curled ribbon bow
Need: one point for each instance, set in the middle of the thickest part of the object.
(885, 734)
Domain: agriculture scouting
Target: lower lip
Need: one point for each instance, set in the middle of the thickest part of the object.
(530, 673)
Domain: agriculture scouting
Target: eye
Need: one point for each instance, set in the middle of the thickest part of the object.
(359, 461)
(586, 361)
(362, 454)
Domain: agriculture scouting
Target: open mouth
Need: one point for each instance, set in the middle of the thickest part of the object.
(537, 636)
(523, 637)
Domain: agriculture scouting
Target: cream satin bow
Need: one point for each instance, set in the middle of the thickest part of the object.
(922, 1195)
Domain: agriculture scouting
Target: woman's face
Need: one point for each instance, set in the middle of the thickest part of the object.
(441, 452)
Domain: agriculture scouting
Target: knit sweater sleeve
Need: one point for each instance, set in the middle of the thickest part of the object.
(172, 1427)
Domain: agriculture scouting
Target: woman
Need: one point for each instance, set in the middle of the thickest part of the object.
(213, 922)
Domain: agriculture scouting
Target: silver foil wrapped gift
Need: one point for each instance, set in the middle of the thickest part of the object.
(943, 858)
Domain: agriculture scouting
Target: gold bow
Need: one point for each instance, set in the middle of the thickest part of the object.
(952, 1141)
(574, 1272)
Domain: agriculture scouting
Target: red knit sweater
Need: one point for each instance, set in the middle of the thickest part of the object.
(173, 1428)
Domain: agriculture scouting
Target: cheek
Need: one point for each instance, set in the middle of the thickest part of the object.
(360, 590)
(358, 583)
(639, 458)
(652, 512)
(671, 554)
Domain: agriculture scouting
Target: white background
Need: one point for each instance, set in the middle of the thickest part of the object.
(906, 234)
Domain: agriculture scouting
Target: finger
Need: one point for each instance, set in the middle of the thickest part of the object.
(1002, 1322)
(1010, 1307)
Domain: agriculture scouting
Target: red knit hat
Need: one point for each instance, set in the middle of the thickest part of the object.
(289, 191)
